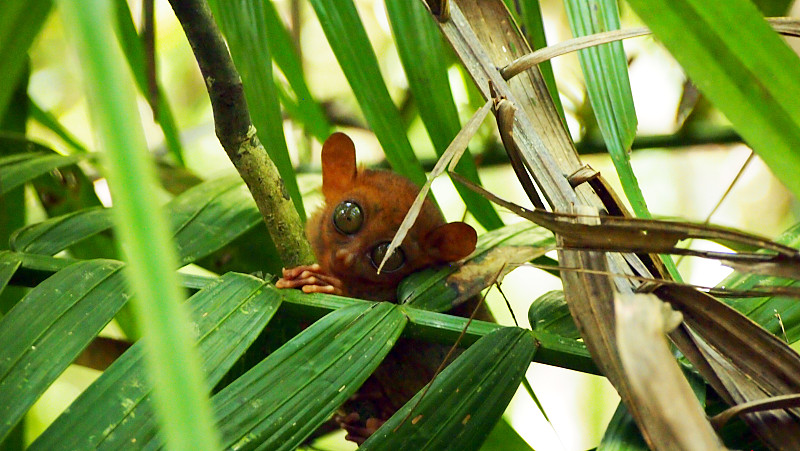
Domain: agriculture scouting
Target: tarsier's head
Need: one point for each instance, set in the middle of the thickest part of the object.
(363, 210)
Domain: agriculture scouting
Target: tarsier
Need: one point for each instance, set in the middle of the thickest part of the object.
(350, 235)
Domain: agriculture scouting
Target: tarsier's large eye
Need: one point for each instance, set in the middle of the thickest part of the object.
(395, 262)
(347, 217)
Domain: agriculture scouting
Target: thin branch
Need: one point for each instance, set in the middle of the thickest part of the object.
(148, 36)
(783, 25)
(681, 138)
(237, 134)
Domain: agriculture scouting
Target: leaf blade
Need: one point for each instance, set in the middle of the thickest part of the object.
(19, 24)
(466, 399)
(434, 289)
(283, 52)
(181, 401)
(349, 42)
(56, 234)
(301, 384)
(131, 44)
(116, 410)
(244, 24)
(18, 169)
(32, 350)
(416, 35)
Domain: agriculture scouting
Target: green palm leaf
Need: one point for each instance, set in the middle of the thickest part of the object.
(18, 169)
(49, 327)
(301, 384)
(349, 42)
(116, 411)
(465, 401)
(742, 66)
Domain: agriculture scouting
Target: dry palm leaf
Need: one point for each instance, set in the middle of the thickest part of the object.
(621, 234)
(642, 321)
(485, 37)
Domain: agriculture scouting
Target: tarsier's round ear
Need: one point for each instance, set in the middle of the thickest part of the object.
(338, 164)
(451, 242)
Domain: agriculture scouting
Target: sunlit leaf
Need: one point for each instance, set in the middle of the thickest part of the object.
(183, 409)
(131, 44)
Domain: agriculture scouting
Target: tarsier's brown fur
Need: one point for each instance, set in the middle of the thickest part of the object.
(345, 267)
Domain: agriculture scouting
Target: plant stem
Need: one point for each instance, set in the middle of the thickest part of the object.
(237, 134)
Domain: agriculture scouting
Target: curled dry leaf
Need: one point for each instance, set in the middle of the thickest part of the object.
(504, 113)
(478, 273)
(618, 234)
(739, 359)
(776, 402)
(484, 37)
(677, 419)
(590, 298)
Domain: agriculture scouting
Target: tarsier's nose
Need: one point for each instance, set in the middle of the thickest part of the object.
(344, 257)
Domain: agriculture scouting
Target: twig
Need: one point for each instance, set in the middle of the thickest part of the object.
(237, 134)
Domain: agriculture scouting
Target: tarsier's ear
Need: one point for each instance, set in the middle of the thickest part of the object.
(451, 242)
(338, 164)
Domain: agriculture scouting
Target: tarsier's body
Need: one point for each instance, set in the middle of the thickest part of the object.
(363, 210)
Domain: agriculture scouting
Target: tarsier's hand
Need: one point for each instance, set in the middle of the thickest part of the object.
(311, 279)
(357, 433)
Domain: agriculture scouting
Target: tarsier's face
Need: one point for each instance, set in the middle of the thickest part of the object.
(358, 224)
(363, 210)
(348, 218)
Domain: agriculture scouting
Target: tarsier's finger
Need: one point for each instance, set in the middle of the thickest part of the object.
(326, 278)
(293, 273)
(289, 283)
(304, 279)
(326, 289)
